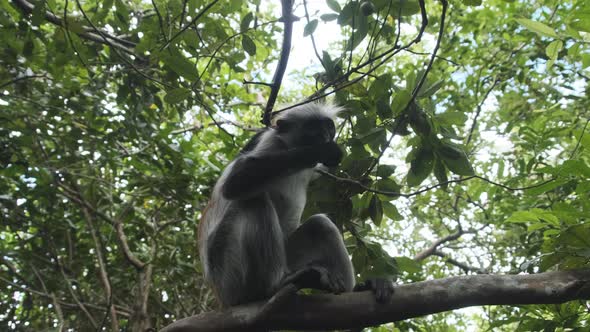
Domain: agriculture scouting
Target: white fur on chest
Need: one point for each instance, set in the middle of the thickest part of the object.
(289, 196)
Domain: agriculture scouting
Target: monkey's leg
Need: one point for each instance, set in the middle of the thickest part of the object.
(317, 257)
(247, 253)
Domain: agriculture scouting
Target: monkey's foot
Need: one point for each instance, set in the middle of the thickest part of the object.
(316, 277)
(382, 288)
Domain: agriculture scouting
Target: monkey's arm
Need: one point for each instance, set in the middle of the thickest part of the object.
(252, 172)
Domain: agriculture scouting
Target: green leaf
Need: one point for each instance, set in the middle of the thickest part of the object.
(391, 211)
(179, 64)
(334, 5)
(455, 159)
(384, 171)
(310, 27)
(248, 45)
(122, 13)
(420, 167)
(376, 210)
(346, 14)
(472, 2)
(245, 24)
(440, 172)
(388, 185)
(537, 27)
(397, 7)
(408, 265)
(580, 25)
(577, 168)
(38, 13)
(329, 17)
(177, 95)
(431, 89)
(452, 118)
(523, 217)
(545, 187)
(400, 101)
(553, 49)
(384, 109)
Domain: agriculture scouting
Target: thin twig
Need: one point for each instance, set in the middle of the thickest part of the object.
(436, 46)
(22, 78)
(421, 191)
(466, 268)
(257, 83)
(188, 25)
(478, 112)
(315, 49)
(434, 246)
(160, 21)
(120, 310)
(218, 48)
(579, 139)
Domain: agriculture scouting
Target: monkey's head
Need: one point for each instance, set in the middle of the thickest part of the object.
(307, 124)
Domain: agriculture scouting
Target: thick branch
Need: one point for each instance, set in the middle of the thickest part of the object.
(353, 310)
(88, 33)
(287, 7)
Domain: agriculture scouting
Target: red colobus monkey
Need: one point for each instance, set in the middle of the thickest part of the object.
(251, 241)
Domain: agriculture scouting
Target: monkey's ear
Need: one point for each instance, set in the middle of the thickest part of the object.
(283, 125)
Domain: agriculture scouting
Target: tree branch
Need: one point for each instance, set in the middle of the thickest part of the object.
(115, 42)
(466, 268)
(123, 311)
(131, 258)
(425, 189)
(102, 268)
(354, 310)
(430, 250)
(18, 79)
(195, 19)
(287, 8)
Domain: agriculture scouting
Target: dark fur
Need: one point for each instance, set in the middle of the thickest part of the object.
(250, 239)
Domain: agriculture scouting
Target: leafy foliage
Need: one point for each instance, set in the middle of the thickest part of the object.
(118, 116)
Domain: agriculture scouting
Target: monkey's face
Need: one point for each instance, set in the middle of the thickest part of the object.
(307, 132)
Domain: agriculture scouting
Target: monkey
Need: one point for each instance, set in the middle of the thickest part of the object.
(251, 239)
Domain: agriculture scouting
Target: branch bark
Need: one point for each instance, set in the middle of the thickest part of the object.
(89, 33)
(287, 8)
(430, 250)
(466, 268)
(354, 310)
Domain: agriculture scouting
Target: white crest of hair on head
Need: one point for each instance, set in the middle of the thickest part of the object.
(308, 111)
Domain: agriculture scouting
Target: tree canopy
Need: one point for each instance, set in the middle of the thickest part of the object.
(465, 132)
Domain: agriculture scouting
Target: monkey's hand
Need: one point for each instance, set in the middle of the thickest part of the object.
(381, 287)
(316, 277)
(330, 154)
